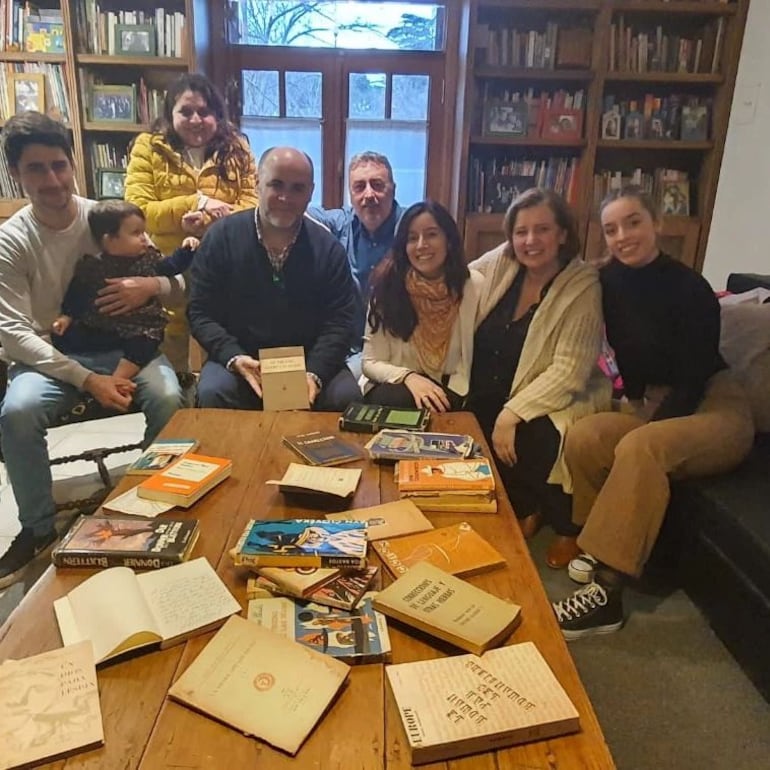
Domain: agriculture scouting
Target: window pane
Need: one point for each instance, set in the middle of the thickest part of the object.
(305, 135)
(367, 95)
(260, 93)
(303, 94)
(410, 97)
(406, 146)
(338, 24)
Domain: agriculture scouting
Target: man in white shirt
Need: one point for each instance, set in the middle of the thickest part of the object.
(39, 247)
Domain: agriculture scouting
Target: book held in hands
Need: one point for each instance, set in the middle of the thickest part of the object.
(160, 454)
(454, 706)
(120, 541)
(261, 683)
(301, 543)
(447, 607)
(120, 611)
(49, 706)
(185, 481)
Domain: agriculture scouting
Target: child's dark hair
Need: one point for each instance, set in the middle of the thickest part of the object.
(33, 128)
(106, 217)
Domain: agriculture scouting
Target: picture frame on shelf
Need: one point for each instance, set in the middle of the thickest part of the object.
(675, 199)
(26, 92)
(505, 119)
(502, 189)
(611, 125)
(113, 103)
(633, 127)
(695, 123)
(564, 124)
(135, 40)
(110, 183)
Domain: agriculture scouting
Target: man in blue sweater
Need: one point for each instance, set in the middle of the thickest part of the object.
(270, 277)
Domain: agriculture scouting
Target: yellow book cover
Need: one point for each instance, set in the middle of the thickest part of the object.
(448, 607)
(401, 517)
(460, 705)
(187, 480)
(457, 549)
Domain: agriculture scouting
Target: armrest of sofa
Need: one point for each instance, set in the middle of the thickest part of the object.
(740, 282)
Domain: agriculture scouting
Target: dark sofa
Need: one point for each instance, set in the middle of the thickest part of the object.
(724, 529)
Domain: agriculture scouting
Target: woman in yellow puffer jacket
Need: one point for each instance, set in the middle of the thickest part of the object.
(192, 169)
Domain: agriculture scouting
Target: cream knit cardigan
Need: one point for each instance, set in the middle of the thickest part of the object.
(558, 373)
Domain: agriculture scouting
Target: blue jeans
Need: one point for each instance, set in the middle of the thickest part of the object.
(33, 402)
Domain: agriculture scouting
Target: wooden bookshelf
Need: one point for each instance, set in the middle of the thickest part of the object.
(691, 80)
(79, 65)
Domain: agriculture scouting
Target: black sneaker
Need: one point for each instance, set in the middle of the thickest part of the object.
(23, 549)
(592, 609)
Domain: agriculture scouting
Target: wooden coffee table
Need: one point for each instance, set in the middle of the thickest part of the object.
(362, 730)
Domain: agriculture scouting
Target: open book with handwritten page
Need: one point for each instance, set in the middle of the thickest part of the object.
(119, 610)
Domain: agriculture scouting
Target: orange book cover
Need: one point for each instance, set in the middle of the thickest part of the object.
(473, 474)
(188, 479)
(458, 550)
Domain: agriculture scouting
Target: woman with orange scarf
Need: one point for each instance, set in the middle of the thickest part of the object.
(418, 346)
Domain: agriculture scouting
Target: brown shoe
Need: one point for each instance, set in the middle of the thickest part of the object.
(530, 525)
(562, 550)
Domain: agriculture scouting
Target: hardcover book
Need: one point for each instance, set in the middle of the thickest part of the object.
(120, 611)
(119, 541)
(284, 379)
(447, 607)
(301, 543)
(49, 706)
(401, 517)
(334, 483)
(370, 418)
(318, 448)
(160, 454)
(457, 549)
(454, 706)
(355, 636)
(298, 581)
(415, 445)
(343, 591)
(185, 481)
(261, 684)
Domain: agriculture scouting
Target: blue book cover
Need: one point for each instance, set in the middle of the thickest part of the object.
(302, 543)
(413, 445)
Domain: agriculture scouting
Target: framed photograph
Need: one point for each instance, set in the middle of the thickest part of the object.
(113, 103)
(110, 183)
(675, 199)
(135, 39)
(563, 124)
(611, 125)
(505, 118)
(26, 92)
(694, 123)
(634, 126)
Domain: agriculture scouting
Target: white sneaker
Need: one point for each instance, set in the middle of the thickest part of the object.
(581, 569)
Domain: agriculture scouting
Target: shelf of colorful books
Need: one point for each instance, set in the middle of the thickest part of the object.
(131, 61)
(702, 7)
(23, 56)
(526, 141)
(696, 78)
(531, 73)
(652, 144)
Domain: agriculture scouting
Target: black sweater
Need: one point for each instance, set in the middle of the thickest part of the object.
(663, 323)
(238, 304)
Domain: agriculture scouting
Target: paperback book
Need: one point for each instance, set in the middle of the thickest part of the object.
(301, 543)
(370, 418)
(186, 480)
(387, 520)
(119, 541)
(160, 454)
(318, 448)
(450, 609)
(119, 611)
(49, 706)
(261, 683)
(334, 483)
(392, 445)
(456, 549)
(344, 591)
(460, 705)
(298, 581)
(355, 636)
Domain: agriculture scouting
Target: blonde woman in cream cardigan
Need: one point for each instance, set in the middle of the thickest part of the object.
(418, 345)
(535, 373)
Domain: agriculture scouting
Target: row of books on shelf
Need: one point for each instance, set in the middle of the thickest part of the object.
(493, 183)
(24, 27)
(33, 86)
(549, 47)
(674, 117)
(158, 32)
(9, 187)
(650, 49)
(669, 188)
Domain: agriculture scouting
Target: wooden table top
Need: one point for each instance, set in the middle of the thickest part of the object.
(362, 730)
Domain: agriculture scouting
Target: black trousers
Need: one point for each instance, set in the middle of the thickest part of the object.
(398, 395)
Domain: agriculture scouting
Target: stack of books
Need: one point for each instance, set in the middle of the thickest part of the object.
(448, 485)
